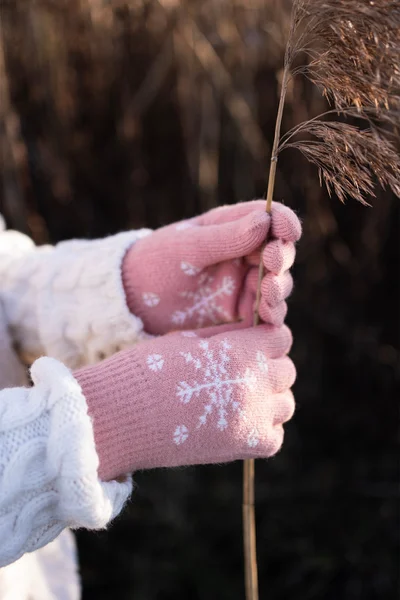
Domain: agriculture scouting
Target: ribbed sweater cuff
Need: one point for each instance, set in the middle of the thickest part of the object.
(121, 405)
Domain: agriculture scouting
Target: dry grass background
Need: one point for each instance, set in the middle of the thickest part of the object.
(117, 114)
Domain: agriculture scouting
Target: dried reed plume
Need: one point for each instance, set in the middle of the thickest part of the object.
(346, 157)
(352, 53)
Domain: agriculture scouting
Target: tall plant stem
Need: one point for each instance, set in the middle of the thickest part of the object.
(249, 531)
(277, 138)
(249, 519)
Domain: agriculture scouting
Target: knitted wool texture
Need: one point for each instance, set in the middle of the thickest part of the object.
(50, 573)
(204, 271)
(68, 301)
(48, 466)
(191, 398)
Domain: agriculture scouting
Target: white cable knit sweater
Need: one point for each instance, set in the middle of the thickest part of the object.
(67, 302)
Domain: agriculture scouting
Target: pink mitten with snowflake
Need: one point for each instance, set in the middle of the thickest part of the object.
(203, 271)
(191, 398)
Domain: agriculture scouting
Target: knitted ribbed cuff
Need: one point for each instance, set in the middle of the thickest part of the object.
(118, 393)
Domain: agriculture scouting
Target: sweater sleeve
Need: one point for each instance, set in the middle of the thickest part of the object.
(68, 301)
(49, 465)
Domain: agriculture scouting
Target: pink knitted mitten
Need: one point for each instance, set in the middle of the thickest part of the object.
(191, 398)
(203, 271)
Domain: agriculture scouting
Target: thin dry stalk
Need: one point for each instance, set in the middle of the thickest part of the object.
(353, 48)
(249, 531)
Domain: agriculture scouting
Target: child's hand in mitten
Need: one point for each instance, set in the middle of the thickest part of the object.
(203, 271)
(191, 398)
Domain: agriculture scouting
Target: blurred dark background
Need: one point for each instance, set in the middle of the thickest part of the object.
(117, 115)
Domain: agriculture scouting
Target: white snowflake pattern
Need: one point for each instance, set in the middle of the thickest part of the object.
(150, 299)
(181, 434)
(189, 269)
(155, 362)
(217, 385)
(262, 362)
(253, 438)
(204, 303)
